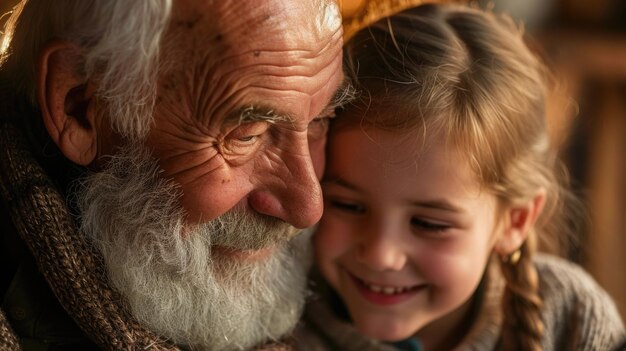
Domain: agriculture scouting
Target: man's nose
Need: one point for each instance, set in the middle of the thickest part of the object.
(380, 250)
(292, 192)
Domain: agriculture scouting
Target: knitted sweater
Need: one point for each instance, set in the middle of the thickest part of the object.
(578, 315)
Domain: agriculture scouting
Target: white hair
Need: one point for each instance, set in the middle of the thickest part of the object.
(120, 43)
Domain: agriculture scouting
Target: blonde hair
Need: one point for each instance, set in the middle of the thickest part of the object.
(120, 40)
(467, 75)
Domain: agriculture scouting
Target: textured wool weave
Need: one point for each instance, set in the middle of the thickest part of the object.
(70, 267)
(8, 341)
(578, 314)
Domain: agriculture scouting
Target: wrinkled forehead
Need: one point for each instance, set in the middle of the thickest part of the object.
(287, 24)
(226, 55)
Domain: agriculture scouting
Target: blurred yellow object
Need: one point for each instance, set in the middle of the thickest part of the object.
(361, 13)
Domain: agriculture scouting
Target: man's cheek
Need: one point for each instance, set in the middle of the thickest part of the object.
(210, 197)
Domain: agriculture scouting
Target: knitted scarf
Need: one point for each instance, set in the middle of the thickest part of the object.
(71, 267)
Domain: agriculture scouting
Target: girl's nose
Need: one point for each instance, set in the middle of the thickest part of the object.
(381, 252)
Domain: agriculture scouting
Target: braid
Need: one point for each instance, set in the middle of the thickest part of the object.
(522, 325)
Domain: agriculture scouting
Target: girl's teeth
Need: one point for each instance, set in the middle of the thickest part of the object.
(387, 290)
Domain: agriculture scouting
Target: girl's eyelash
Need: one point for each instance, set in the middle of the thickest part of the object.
(418, 223)
(347, 206)
(429, 226)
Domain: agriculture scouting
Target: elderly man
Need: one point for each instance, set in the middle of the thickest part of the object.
(156, 159)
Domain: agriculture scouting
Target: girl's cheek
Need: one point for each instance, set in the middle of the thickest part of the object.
(331, 239)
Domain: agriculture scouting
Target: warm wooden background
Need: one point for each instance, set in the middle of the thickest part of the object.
(585, 41)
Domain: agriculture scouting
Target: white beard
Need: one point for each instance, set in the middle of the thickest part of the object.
(172, 281)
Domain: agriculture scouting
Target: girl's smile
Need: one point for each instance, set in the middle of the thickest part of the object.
(385, 295)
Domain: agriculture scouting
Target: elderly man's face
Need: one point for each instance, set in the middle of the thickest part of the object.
(240, 113)
(239, 134)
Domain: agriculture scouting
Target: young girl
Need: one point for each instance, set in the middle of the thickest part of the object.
(439, 182)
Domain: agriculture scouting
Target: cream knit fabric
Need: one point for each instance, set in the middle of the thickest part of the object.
(578, 314)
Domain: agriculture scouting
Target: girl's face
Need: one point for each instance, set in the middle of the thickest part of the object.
(406, 233)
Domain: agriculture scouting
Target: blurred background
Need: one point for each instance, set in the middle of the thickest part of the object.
(584, 42)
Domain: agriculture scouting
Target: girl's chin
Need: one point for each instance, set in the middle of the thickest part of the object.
(387, 331)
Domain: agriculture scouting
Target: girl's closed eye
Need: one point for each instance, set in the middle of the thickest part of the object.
(428, 225)
(347, 206)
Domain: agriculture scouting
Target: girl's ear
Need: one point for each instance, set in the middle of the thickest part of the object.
(66, 100)
(517, 223)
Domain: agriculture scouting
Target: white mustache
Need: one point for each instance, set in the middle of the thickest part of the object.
(247, 231)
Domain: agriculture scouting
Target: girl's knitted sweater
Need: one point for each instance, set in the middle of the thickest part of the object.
(578, 315)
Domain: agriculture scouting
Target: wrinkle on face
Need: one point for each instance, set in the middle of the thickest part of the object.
(192, 165)
(272, 159)
(269, 55)
(284, 58)
(235, 87)
(240, 61)
(276, 17)
(275, 157)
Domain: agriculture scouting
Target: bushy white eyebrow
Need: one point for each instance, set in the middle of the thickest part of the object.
(344, 95)
(256, 113)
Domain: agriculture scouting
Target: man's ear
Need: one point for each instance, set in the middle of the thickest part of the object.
(66, 100)
(518, 222)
